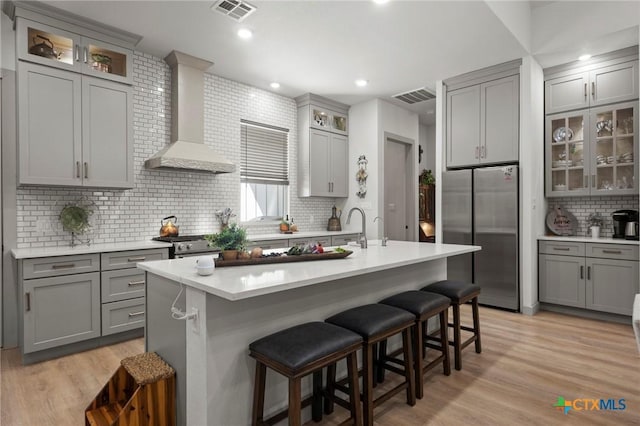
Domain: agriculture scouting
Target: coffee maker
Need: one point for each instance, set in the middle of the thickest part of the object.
(620, 220)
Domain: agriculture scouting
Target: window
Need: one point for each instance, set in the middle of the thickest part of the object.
(264, 171)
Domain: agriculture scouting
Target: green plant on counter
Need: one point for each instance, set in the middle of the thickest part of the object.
(594, 219)
(232, 237)
(75, 218)
(427, 178)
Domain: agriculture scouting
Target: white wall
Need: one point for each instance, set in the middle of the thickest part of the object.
(532, 201)
(7, 43)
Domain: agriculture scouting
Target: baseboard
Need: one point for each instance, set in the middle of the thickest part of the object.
(586, 313)
(526, 310)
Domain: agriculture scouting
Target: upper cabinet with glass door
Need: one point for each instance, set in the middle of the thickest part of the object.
(326, 119)
(55, 47)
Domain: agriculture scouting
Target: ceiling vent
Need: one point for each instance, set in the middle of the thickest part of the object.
(238, 10)
(415, 96)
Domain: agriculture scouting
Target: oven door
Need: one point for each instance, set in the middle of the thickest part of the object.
(215, 254)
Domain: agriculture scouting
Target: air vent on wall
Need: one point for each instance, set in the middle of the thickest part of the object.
(238, 10)
(415, 96)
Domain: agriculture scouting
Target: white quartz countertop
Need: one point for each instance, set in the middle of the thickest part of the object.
(575, 239)
(306, 234)
(242, 282)
(28, 253)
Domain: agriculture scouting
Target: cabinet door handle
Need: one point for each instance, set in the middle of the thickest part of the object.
(483, 152)
(28, 301)
(86, 170)
(136, 259)
(586, 181)
(593, 181)
(477, 151)
(77, 53)
(78, 169)
(135, 314)
(85, 55)
(585, 91)
(581, 272)
(588, 272)
(612, 251)
(64, 266)
(134, 283)
(593, 90)
(562, 248)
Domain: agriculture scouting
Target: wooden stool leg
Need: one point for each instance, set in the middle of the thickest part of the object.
(408, 366)
(382, 354)
(258, 394)
(418, 347)
(354, 390)
(476, 323)
(367, 383)
(456, 336)
(316, 406)
(295, 403)
(330, 390)
(444, 341)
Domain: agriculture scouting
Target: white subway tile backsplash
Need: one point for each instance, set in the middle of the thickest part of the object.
(582, 207)
(192, 196)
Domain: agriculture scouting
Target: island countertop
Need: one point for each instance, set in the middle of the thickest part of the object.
(242, 282)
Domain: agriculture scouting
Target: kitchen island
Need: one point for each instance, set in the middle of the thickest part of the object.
(237, 305)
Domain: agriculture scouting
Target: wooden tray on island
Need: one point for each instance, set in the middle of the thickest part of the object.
(283, 259)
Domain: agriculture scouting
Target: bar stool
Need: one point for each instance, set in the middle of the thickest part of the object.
(374, 323)
(460, 293)
(423, 305)
(296, 352)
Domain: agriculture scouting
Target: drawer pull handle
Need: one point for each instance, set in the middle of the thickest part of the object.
(136, 259)
(133, 283)
(135, 314)
(562, 248)
(612, 251)
(64, 266)
(28, 301)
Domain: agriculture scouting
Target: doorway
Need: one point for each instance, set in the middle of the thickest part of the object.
(399, 188)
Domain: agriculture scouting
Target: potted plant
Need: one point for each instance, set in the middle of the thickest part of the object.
(75, 218)
(594, 223)
(230, 240)
(427, 178)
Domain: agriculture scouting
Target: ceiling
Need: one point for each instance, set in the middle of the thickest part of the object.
(324, 46)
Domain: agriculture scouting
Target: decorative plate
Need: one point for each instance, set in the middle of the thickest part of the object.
(561, 132)
(561, 222)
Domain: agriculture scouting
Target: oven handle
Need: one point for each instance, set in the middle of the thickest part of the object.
(206, 253)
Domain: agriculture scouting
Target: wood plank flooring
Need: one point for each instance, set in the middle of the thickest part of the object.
(526, 364)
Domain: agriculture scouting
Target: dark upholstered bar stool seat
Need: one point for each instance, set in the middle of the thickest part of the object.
(375, 323)
(460, 293)
(423, 305)
(297, 352)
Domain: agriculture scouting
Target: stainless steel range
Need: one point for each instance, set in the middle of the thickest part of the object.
(188, 246)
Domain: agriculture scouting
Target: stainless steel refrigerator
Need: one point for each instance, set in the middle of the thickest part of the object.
(480, 207)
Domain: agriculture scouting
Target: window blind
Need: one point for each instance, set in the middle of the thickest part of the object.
(265, 154)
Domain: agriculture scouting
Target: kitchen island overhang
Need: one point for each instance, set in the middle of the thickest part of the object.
(237, 305)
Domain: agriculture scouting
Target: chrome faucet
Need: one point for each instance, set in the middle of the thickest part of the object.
(384, 239)
(363, 239)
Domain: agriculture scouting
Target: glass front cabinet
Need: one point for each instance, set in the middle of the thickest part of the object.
(54, 47)
(592, 151)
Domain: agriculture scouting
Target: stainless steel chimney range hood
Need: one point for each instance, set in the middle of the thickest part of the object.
(187, 150)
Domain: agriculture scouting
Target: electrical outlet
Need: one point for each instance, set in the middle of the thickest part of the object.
(312, 219)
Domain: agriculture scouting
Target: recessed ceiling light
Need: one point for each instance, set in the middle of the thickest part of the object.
(361, 82)
(275, 85)
(380, 1)
(245, 33)
(584, 57)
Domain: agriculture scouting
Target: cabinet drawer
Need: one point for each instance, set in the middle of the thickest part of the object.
(268, 244)
(122, 284)
(128, 259)
(324, 241)
(60, 265)
(342, 240)
(122, 316)
(612, 251)
(565, 248)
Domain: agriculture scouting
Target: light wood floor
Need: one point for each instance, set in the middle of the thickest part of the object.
(526, 363)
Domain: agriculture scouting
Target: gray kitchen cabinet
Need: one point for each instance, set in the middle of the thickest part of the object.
(483, 123)
(343, 240)
(596, 276)
(70, 47)
(323, 147)
(598, 86)
(268, 244)
(324, 241)
(592, 151)
(60, 310)
(123, 315)
(73, 130)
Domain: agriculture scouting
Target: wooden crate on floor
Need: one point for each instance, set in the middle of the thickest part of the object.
(141, 392)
